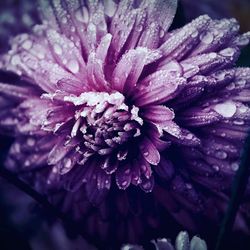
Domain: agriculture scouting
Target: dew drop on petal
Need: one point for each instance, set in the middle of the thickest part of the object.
(207, 38)
(27, 163)
(226, 109)
(73, 66)
(194, 34)
(82, 15)
(231, 86)
(227, 52)
(109, 7)
(40, 55)
(221, 155)
(31, 142)
(241, 83)
(243, 41)
(67, 163)
(212, 55)
(189, 136)
(57, 49)
(15, 60)
(162, 33)
(64, 20)
(216, 168)
(27, 44)
(238, 122)
(235, 166)
(124, 183)
(243, 109)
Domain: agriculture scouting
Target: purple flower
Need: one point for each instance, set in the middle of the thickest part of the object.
(107, 100)
(181, 243)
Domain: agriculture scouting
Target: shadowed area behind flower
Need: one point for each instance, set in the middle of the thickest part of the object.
(117, 121)
(15, 17)
(229, 8)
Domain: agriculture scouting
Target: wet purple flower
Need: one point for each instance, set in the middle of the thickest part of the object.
(108, 103)
(181, 243)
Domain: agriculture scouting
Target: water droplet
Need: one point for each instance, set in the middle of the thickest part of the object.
(235, 166)
(27, 163)
(64, 20)
(15, 60)
(220, 75)
(221, 155)
(124, 183)
(207, 38)
(194, 34)
(162, 33)
(54, 170)
(241, 83)
(67, 163)
(31, 142)
(189, 136)
(109, 7)
(227, 52)
(243, 41)
(82, 15)
(231, 86)
(139, 28)
(27, 44)
(238, 122)
(73, 66)
(57, 49)
(212, 55)
(243, 109)
(226, 109)
(40, 55)
(216, 168)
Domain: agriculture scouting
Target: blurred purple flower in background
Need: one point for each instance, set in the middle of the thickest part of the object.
(181, 243)
(15, 17)
(115, 118)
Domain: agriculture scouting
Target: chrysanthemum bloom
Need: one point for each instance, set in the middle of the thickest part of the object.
(108, 102)
(181, 243)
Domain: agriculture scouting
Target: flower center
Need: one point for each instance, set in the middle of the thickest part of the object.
(104, 121)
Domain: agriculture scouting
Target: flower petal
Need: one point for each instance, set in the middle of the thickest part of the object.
(123, 176)
(149, 151)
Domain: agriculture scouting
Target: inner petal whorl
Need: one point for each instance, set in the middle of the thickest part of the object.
(104, 121)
